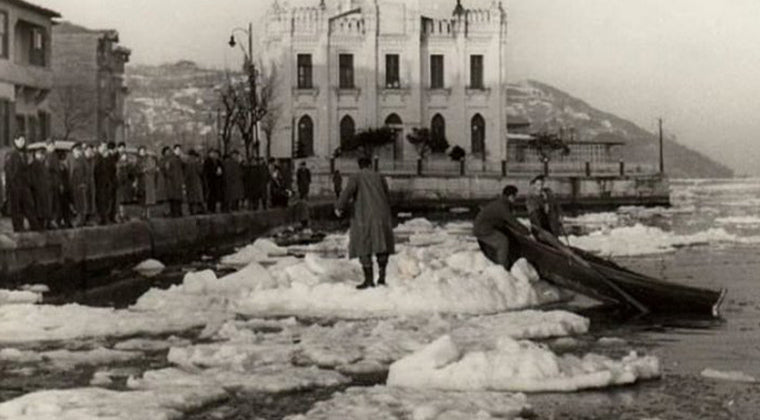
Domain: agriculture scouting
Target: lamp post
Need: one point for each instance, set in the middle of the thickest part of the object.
(251, 70)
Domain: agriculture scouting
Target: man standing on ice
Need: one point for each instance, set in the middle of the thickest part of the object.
(492, 226)
(371, 225)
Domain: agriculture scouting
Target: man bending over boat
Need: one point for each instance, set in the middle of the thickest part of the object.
(491, 227)
(543, 210)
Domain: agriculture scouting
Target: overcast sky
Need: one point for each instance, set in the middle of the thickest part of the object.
(695, 63)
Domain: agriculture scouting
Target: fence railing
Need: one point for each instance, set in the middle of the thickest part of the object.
(447, 167)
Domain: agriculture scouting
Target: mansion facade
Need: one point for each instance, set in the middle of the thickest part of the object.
(344, 66)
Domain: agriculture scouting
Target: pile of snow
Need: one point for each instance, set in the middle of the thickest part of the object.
(35, 288)
(261, 250)
(644, 240)
(98, 403)
(416, 225)
(731, 375)
(19, 296)
(605, 219)
(453, 277)
(149, 268)
(381, 402)
(515, 366)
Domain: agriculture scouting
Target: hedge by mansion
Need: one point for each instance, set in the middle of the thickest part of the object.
(348, 65)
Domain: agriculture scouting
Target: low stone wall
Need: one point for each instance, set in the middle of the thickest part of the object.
(62, 258)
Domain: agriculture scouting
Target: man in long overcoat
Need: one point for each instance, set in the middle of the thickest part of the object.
(40, 183)
(79, 181)
(233, 182)
(174, 179)
(303, 180)
(105, 187)
(17, 187)
(543, 210)
(53, 165)
(194, 182)
(371, 222)
(213, 176)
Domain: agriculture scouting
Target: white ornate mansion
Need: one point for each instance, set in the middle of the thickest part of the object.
(349, 65)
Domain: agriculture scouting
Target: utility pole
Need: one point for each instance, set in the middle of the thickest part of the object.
(662, 158)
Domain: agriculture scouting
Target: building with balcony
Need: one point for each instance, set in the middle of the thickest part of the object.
(26, 76)
(349, 65)
(89, 93)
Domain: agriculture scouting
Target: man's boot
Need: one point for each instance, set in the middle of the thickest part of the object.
(381, 276)
(367, 278)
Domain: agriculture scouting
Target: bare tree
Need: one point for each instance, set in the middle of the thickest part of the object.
(75, 107)
(228, 97)
(269, 108)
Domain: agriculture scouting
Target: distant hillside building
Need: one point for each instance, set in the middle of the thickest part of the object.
(26, 77)
(355, 64)
(90, 89)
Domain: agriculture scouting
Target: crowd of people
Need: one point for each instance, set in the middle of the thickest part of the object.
(48, 188)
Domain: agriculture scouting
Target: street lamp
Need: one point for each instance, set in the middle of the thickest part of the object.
(251, 70)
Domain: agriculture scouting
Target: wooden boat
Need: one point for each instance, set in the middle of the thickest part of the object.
(588, 274)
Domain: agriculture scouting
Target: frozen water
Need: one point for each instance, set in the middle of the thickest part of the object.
(738, 220)
(381, 402)
(67, 358)
(514, 366)
(416, 225)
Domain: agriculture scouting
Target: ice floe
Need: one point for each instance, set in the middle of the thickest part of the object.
(260, 250)
(102, 404)
(19, 296)
(515, 366)
(730, 375)
(643, 240)
(67, 358)
(149, 268)
(738, 220)
(382, 402)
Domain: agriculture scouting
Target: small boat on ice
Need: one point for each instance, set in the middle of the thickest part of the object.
(601, 279)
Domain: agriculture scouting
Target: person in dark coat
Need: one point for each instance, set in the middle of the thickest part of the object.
(213, 176)
(174, 179)
(91, 158)
(303, 180)
(194, 182)
(337, 180)
(65, 197)
(277, 190)
(491, 228)
(79, 179)
(260, 180)
(123, 184)
(18, 191)
(233, 182)
(40, 183)
(53, 166)
(148, 181)
(543, 210)
(371, 230)
(105, 174)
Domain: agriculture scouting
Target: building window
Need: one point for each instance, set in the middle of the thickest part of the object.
(32, 129)
(438, 127)
(347, 131)
(37, 47)
(5, 122)
(478, 135)
(392, 80)
(346, 65)
(304, 71)
(3, 34)
(20, 125)
(436, 71)
(305, 137)
(44, 125)
(476, 72)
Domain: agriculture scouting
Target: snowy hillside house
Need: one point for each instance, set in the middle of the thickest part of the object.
(26, 77)
(90, 90)
(351, 65)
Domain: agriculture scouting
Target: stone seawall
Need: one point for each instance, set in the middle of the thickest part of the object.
(78, 259)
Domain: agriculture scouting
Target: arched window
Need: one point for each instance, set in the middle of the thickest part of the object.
(305, 137)
(394, 123)
(438, 126)
(347, 130)
(478, 135)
